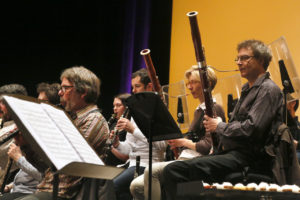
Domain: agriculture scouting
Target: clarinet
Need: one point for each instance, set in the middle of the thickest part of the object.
(137, 166)
(202, 67)
(109, 142)
(116, 131)
(111, 119)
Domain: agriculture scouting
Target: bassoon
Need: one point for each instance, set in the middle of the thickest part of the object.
(202, 67)
(155, 82)
(151, 72)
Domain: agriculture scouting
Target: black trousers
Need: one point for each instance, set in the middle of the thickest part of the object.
(211, 168)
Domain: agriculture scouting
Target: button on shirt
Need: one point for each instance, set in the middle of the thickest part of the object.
(253, 115)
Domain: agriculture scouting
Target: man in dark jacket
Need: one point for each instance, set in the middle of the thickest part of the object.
(243, 137)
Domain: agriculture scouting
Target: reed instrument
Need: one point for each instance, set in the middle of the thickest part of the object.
(155, 82)
(9, 137)
(117, 131)
(152, 73)
(112, 119)
(202, 67)
(110, 141)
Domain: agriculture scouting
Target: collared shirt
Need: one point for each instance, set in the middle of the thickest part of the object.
(136, 144)
(252, 118)
(94, 128)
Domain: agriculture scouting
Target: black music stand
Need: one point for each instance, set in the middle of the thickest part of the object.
(154, 120)
(287, 86)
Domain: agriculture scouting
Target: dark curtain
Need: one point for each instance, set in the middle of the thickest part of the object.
(39, 39)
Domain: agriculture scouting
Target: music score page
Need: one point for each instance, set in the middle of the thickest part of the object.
(54, 132)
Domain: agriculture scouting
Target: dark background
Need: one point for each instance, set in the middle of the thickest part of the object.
(40, 38)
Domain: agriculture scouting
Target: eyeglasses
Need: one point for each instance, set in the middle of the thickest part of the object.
(192, 82)
(65, 87)
(243, 58)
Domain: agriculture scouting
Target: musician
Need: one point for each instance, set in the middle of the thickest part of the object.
(293, 123)
(8, 123)
(80, 89)
(28, 177)
(136, 143)
(48, 92)
(190, 148)
(243, 137)
(114, 157)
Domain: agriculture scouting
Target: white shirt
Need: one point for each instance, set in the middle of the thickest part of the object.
(136, 144)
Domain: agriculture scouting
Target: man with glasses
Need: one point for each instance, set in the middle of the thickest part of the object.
(80, 89)
(241, 139)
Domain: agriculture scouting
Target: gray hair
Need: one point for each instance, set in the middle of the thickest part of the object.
(84, 80)
(13, 89)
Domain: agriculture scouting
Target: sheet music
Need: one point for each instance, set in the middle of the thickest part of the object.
(82, 147)
(45, 131)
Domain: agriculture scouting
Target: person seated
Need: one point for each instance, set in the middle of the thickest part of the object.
(293, 122)
(189, 147)
(80, 89)
(114, 157)
(242, 139)
(8, 123)
(28, 177)
(136, 143)
(48, 92)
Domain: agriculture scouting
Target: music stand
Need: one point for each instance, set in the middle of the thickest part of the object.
(287, 86)
(175, 94)
(154, 120)
(283, 70)
(50, 132)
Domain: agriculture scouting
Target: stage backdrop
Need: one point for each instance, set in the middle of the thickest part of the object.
(222, 25)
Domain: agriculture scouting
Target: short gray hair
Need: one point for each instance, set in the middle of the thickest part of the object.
(84, 80)
(13, 89)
